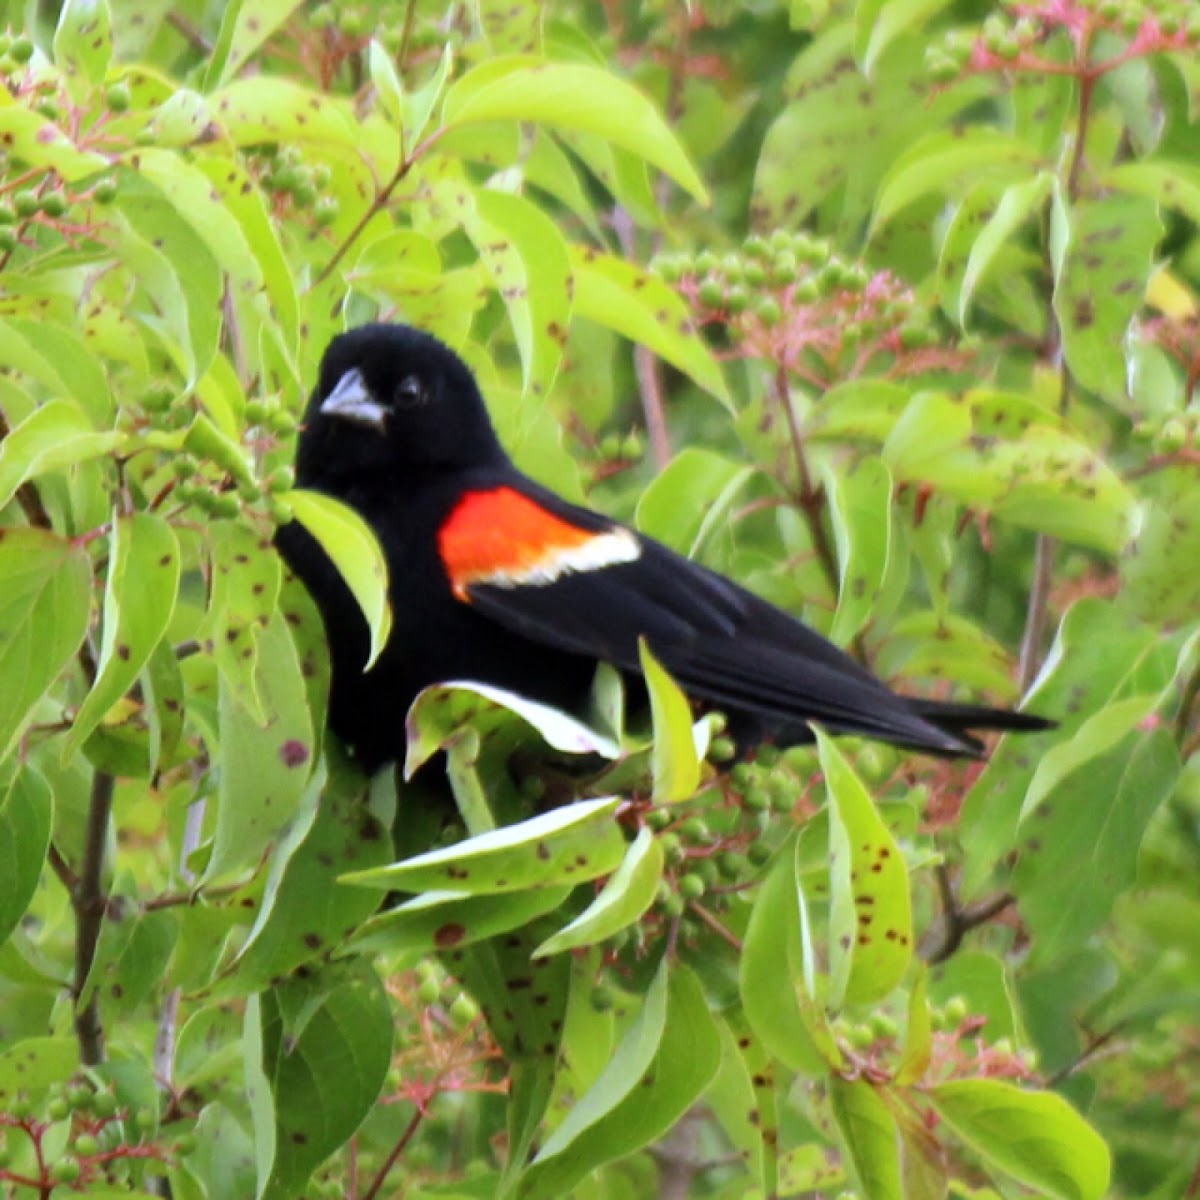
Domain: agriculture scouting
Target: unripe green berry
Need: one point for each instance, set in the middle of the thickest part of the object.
(323, 16)
(695, 829)
(280, 421)
(105, 192)
(118, 97)
(691, 886)
(463, 1011)
(706, 261)
(755, 274)
(737, 299)
(54, 204)
(321, 175)
(27, 202)
(658, 818)
(66, 1170)
(48, 109)
(756, 798)
(325, 211)
(8, 239)
(105, 1104)
(731, 864)
(185, 1144)
(955, 1010)
(8, 214)
(711, 293)
(58, 1109)
(281, 512)
(669, 268)
(672, 847)
(145, 1119)
(632, 446)
(758, 853)
(807, 290)
(226, 504)
(22, 49)
(721, 749)
(768, 311)
(86, 1145)
(603, 998)
(1172, 437)
(429, 991)
(304, 194)
(255, 412)
(282, 479)
(783, 267)
(674, 906)
(755, 246)
(80, 1097)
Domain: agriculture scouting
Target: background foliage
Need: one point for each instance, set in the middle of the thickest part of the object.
(886, 309)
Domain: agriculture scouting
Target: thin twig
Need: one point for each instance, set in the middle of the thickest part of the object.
(397, 1150)
(958, 921)
(89, 901)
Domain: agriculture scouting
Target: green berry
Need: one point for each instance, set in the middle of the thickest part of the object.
(66, 1170)
(255, 412)
(304, 194)
(711, 293)
(783, 267)
(55, 204)
(21, 49)
(118, 97)
(58, 1109)
(732, 865)
(767, 310)
(737, 299)
(27, 203)
(323, 16)
(86, 1145)
(756, 799)
(674, 905)
(280, 421)
(672, 847)
(321, 176)
(8, 214)
(281, 512)
(325, 211)
(80, 1097)
(282, 479)
(185, 1144)
(758, 853)
(603, 997)
(755, 246)
(691, 886)
(695, 829)
(955, 1009)
(145, 1119)
(721, 749)
(48, 109)
(755, 274)
(658, 819)
(464, 1010)
(1172, 437)
(807, 290)
(8, 239)
(105, 192)
(105, 1104)
(429, 991)
(669, 268)
(706, 261)
(226, 504)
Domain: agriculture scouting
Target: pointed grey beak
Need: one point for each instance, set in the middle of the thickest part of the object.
(352, 401)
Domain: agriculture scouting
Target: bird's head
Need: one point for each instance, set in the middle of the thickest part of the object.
(392, 398)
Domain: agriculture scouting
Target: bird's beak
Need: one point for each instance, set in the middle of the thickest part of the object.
(352, 401)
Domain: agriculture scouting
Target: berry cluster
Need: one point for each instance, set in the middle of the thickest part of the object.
(80, 1136)
(1018, 40)
(790, 300)
(296, 185)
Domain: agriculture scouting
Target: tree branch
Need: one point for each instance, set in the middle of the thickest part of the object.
(89, 902)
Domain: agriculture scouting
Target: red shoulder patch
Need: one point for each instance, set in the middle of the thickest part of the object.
(504, 538)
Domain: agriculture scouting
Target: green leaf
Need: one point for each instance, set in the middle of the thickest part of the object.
(440, 712)
(266, 108)
(139, 598)
(1159, 582)
(640, 306)
(418, 106)
(26, 819)
(661, 1067)
(326, 1071)
(526, 257)
(860, 507)
(567, 845)
(83, 43)
(438, 921)
(45, 602)
(53, 437)
(388, 89)
(1080, 847)
(1174, 185)
(245, 26)
(355, 551)
(571, 96)
(886, 21)
(245, 590)
(1036, 1137)
(869, 1135)
(918, 1034)
(690, 497)
(939, 161)
(265, 768)
(626, 895)
(1099, 283)
(775, 982)
(1017, 204)
(676, 761)
(305, 910)
(870, 913)
(30, 1066)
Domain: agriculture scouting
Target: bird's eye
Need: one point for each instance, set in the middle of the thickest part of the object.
(410, 392)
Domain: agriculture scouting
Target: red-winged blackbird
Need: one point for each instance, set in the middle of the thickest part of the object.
(496, 579)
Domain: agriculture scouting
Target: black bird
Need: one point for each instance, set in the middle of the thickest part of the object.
(496, 579)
